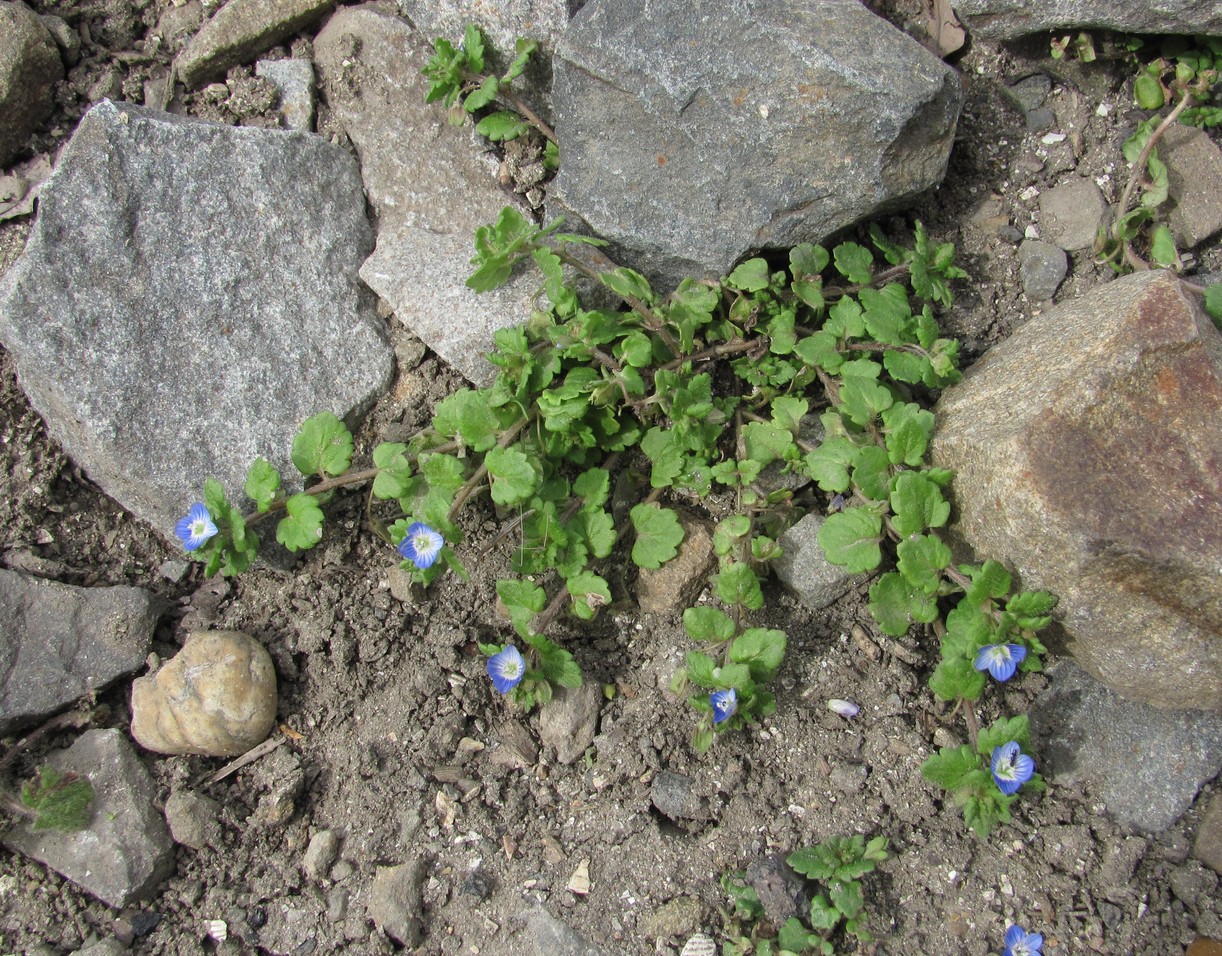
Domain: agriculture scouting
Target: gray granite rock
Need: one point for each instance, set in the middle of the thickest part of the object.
(1194, 184)
(568, 721)
(1146, 764)
(1070, 213)
(429, 182)
(194, 819)
(240, 31)
(1006, 19)
(501, 22)
(1088, 458)
(59, 643)
(781, 890)
(689, 138)
(30, 66)
(219, 270)
(394, 902)
(805, 570)
(551, 937)
(294, 81)
(674, 795)
(126, 850)
(1041, 267)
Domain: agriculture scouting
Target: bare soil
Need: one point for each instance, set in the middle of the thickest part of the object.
(397, 742)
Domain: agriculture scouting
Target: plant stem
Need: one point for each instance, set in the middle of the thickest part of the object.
(481, 472)
(531, 117)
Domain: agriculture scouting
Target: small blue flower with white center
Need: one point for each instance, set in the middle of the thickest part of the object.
(1000, 660)
(724, 703)
(507, 669)
(196, 528)
(1021, 943)
(421, 545)
(1011, 767)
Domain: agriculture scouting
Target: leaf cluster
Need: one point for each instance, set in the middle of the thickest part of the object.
(59, 801)
(965, 773)
(837, 864)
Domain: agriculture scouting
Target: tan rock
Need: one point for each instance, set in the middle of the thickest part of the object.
(217, 697)
(1087, 453)
(676, 584)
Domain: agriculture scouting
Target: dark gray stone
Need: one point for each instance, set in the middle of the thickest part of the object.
(126, 850)
(1088, 459)
(1042, 268)
(551, 937)
(674, 795)
(781, 890)
(60, 643)
(1146, 764)
(805, 570)
(240, 31)
(211, 307)
(501, 22)
(1030, 92)
(30, 67)
(1007, 19)
(430, 184)
(568, 721)
(692, 134)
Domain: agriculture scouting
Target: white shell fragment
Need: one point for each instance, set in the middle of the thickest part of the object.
(579, 882)
(699, 945)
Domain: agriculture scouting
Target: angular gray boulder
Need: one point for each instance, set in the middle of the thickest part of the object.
(1088, 457)
(693, 134)
(189, 295)
(1006, 19)
(30, 67)
(429, 183)
(59, 643)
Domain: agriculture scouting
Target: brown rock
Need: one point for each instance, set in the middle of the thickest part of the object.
(675, 585)
(1088, 458)
(217, 697)
(29, 69)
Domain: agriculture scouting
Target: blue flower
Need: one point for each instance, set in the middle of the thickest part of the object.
(1000, 660)
(725, 703)
(1011, 768)
(506, 669)
(196, 528)
(421, 545)
(1021, 943)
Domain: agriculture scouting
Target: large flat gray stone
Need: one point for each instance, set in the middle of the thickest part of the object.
(59, 643)
(211, 305)
(1007, 19)
(691, 134)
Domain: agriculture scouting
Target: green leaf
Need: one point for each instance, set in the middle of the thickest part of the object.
(1031, 609)
(823, 915)
(708, 624)
(522, 601)
(956, 678)
(1213, 303)
(593, 487)
(766, 442)
(908, 430)
(523, 48)
(501, 126)
(846, 897)
(917, 504)
(872, 472)
(658, 535)
(479, 98)
(921, 559)
(473, 47)
(886, 313)
(701, 669)
(302, 528)
(854, 262)
(862, 399)
(323, 446)
(821, 350)
(466, 413)
(1002, 731)
(761, 649)
(737, 584)
(750, 276)
(590, 592)
(60, 801)
(793, 937)
(1162, 248)
(628, 284)
(989, 580)
(598, 530)
(951, 766)
(895, 604)
(828, 465)
(851, 538)
(555, 662)
(514, 475)
(1148, 92)
(394, 477)
(844, 319)
(262, 483)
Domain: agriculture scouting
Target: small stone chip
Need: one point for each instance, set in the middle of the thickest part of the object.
(699, 945)
(579, 882)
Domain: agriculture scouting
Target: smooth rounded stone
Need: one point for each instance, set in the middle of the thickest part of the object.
(1042, 268)
(194, 819)
(29, 69)
(216, 697)
(395, 903)
(320, 854)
